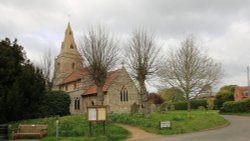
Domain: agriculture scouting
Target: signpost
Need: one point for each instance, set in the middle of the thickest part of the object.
(165, 124)
(97, 114)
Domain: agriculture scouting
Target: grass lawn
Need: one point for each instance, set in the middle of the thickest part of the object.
(75, 128)
(182, 121)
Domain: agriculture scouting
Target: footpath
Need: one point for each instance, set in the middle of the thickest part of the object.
(138, 133)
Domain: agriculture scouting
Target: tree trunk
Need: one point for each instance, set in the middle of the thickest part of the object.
(100, 96)
(188, 102)
(144, 99)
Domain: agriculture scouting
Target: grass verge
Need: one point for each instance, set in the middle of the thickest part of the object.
(75, 128)
(182, 121)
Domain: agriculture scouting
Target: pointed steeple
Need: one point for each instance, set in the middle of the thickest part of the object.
(69, 59)
(68, 44)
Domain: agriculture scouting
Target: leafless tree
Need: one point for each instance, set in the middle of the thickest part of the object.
(142, 54)
(100, 52)
(190, 70)
(47, 66)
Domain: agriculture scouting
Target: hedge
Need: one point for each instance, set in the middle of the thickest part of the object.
(55, 103)
(195, 104)
(236, 106)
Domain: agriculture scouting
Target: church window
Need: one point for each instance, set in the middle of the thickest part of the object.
(70, 33)
(66, 88)
(124, 95)
(71, 46)
(73, 65)
(77, 103)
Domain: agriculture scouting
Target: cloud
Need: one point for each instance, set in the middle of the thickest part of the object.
(221, 25)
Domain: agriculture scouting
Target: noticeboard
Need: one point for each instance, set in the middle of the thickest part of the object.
(97, 113)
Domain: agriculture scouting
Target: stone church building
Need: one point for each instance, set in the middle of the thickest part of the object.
(120, 92)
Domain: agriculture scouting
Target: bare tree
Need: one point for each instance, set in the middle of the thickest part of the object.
(190, 70)
(47, 66)
(100, 52)
(142, 54)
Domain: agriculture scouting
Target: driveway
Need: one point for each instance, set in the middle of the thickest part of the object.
(238, 130)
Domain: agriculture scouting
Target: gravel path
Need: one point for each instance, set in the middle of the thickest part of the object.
(138, 133)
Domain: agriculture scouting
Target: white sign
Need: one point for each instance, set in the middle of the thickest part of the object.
(91, 114)
(165, 124)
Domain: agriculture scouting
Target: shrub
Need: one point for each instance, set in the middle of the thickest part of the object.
(236, 106)
(226, 93)
(55, 103)
(182, 105)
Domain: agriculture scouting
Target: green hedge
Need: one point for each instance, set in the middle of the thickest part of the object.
(195, 104)
(55, 103)
(236, 106)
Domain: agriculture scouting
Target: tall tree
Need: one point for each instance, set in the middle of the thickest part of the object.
(47, 66)
(190, 69)
(142, 55)
(21, 84)
(100, 52)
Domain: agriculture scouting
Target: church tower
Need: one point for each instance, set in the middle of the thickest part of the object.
(69, 59)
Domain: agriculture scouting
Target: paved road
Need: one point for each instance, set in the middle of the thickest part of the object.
(238, 130)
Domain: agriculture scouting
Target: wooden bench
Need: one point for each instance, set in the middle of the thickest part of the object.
(30, 130)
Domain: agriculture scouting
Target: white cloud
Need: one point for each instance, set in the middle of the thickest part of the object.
(221, 26)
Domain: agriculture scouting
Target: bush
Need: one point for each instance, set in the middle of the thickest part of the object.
(226, 93)
(195, 104)
(55, 103)
(236, 106)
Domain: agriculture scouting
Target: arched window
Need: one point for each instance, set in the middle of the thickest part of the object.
(123, 95)
(70, 32)
(71, 46)
(77, 103)
(73, 65)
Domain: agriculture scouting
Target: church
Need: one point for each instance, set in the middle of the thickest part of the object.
(70, 75)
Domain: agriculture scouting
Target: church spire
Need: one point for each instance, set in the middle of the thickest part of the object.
(68, 44)
(69, 59)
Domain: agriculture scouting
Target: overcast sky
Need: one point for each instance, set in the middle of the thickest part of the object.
(222, 27)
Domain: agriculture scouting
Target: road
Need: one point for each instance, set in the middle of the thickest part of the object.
(238, 130)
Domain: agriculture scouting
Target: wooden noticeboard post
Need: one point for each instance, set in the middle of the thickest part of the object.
(97, 114)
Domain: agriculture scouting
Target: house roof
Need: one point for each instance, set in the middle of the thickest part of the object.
(241, 89)
(76, 75)
(93, 89)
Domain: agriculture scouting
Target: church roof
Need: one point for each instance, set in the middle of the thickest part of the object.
(93, 89)
(76, 75)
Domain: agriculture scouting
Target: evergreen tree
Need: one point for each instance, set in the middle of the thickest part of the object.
(21, 84)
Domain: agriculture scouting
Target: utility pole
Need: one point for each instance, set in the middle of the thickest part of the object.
(248, 82)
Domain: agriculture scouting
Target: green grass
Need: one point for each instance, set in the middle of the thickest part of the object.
(75, 128)
(182, 121)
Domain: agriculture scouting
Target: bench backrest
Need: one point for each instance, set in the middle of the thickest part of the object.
(32, 128)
